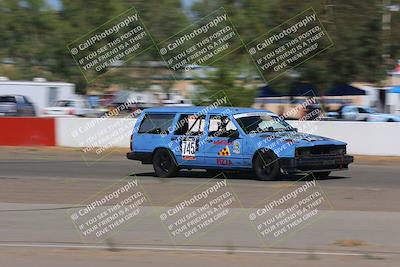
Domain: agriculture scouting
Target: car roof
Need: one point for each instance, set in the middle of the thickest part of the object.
(204, 110)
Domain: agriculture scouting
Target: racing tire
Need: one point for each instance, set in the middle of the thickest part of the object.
(164, 164)
(266, 166)
(319, 175)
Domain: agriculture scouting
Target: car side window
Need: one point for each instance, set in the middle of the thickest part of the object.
(190, 124)
(19, 99)
(361, 110)
(221, 126)
(156, 123)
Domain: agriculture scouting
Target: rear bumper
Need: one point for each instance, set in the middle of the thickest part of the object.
(144, 157)
(327, 163)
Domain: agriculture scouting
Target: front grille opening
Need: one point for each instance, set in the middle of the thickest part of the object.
(321, 150)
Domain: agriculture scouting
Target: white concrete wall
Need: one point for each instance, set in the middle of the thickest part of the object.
(364, 138)
(93, 132)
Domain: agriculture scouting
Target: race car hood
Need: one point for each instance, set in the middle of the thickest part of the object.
(296, 137)
(285, 143)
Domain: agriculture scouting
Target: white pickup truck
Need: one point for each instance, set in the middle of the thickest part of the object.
(69, 108)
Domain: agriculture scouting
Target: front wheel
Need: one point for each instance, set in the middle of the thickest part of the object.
(266, 166)
(164, 164)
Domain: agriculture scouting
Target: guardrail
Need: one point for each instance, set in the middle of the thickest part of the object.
(363, 138)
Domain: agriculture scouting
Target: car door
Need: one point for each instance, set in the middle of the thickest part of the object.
(223, 147)
(30, 107)
(20, 106)
(349, 113)
(187, 138)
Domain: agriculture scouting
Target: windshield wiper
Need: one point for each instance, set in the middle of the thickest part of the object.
(277, 130)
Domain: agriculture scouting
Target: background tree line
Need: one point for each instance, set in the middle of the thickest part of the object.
(34, 36)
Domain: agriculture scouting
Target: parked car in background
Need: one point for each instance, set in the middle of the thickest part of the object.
(69, 108)
(16, 105)
(362, 113)
(383, 117)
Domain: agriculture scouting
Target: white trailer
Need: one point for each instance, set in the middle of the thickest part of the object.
(40, 92)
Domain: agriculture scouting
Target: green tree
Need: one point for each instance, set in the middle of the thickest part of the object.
(27, 29)
(354, 26)
(224, 82)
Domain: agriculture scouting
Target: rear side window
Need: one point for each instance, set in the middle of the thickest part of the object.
(7, 99)
(156, 123)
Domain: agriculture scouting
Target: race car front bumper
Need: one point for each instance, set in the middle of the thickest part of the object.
(323, 163)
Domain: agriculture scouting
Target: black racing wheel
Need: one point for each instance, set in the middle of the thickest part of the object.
(164, 164)
(266, 166)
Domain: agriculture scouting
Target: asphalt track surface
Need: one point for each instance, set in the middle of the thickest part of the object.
(39, 187)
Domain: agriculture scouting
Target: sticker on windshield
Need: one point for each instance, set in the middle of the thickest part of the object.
(189, 147)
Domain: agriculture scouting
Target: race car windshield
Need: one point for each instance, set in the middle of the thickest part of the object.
(262, 123)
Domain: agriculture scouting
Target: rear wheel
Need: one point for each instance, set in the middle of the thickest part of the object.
(320, 175)
(266, 166)
(164, 164)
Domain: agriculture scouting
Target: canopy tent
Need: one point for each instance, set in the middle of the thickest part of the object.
(344, 90)
(304, 89)
(395, 89)
(307, 89)
(267, 91)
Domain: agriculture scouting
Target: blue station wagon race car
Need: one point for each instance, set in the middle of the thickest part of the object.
(226, 138)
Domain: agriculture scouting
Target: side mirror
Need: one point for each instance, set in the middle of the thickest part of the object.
(234, 135)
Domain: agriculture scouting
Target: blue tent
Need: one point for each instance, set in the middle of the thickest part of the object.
(301, 89)
(304, 89)
(343, 90)
(395, 89)
(307, 89)
(267, 91)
